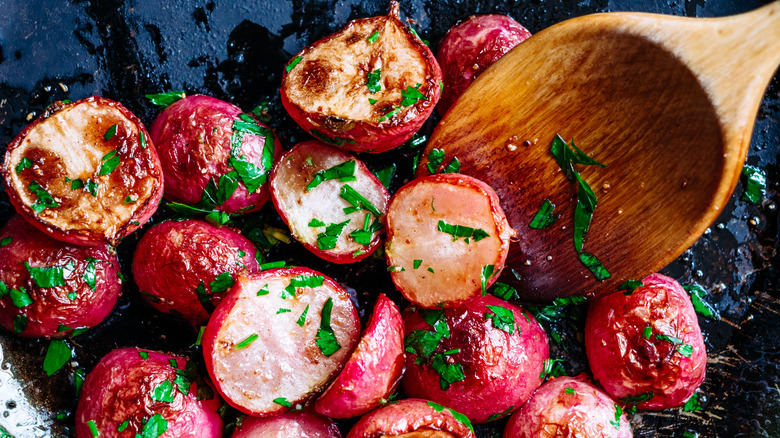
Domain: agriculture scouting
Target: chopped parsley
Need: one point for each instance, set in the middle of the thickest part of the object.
(647, 332)
(544, 217)
(91, 187)
(455, 414)
(504, 291)
(162, 100)
(314, 222)
(20, 323)
(568, 390)
(57, 355)
(357, 201)
(499, 415)
(329, 238)
(693, 403)
(430, 269)
(435, 159)
(458, 231)
(411, 96)
(144, 355)
(385, 176)
(326, 339)
(129, 200)
(417, 264)
(618, 413)
(273, 265)
(449, 373)
(395, 269)
(503, 318)
(591, 262)
(50, 277)
(302, 319)
(20, 297)
(485, 276)
(372, 81)
(204, 297)
(363, 235)
(302, 281)
(636, 399)
(110, 132)
(110, 161)
(90, 273)
(282, 310)
(372, 101)
(24, 163)
(5, 241)
(221, 283)
(342, 172)
(685, 349)
(123, 426)
(44, 198)
(251, 175)
(552, 368)
(702, 307)
(154, 427)
(142, 139)
(453, 167)
(282, 401)
(163, 392)
(372, 39)
(292, 64)
(393, 112)
(246, 342)
(629, 286)
(93, 428)
(755, 185)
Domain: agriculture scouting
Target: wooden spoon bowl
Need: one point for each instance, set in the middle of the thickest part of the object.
(667, 103)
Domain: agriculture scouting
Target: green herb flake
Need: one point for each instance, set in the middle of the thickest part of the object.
(411, 96)
(435, 159)
(5, 241)
(692, 404)
(314, 222)
(292, 64)
(263, 291)
(342, 172)
(594, 265)
(395, 269)
(455, 414)
(385, 175)
(282, 401)
(448, 373)
(90, 273)
(629, 286)
(363, 235)
(504, 291)
(44, 198)
(357, 201)
(24, 164)
(372, 101)
(221, 283)
(417, 263)
(79, 374)
(302, 281)
(57, 355)
(458, 231)
(163, 392)
(326, 339)
(372, 39)
(20, 297)
(204, 297)
(20, 323)
(685, 349)
(50, 277)
(618, 413)
(503, 318)
(494, 417)
(154, 427)
(372, 81)
(121, 428)
(329, 238)
(93, 428)
(485, 276)
(282, 310)
(568, 390)
(452, 167)
(129, 200)
(273, 265)
(672, 339)
(110, 161)
(648, 331)
(142, 139)
(700, 304)
(162, 100)
(246, 342)
(302, 319)
(755, 185)
(91, 187)
(390, 114)
(76, 184)
(110, 133)
(144, 355)
(544, 217)
(636, 399)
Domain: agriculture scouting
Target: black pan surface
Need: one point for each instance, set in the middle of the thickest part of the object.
(122, 49)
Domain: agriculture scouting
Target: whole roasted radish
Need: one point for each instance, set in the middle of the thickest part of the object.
(49, 287)
(84, 172)
(367, 88)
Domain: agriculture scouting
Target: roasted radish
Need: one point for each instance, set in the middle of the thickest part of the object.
(49, 287)
(447, 239)
(330, 200)
(367, 88)
(278, 338)
(373, 370)
(84, 172)
(214, 155)
(186, 267)
(140, 393)
(472, 46)
(411, 418)
(291, 424)
(645, 346)
(569, 407)
(483, 359)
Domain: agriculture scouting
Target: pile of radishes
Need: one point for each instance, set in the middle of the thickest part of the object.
(284, 345)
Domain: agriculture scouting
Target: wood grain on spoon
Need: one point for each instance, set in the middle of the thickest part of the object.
(668, 103)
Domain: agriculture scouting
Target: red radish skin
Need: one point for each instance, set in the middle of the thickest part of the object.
(569, 407)
(193, 137)
(501, 370)
(79, 141)
(411, 418)
(283, 362)
(374, 369)
(120, 388)
(412, 234)
(627, 363)
(472, 46)
(51, 307)
(298, 206)
(324, 87)
(174, 257)
(291, 424)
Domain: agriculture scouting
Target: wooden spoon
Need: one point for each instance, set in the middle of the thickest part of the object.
(667, 103)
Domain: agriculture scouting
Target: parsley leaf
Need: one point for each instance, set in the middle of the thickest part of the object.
(90, 273)
(458, 231)
(20, 323)
(503, 318)
(485, 276)
(302, 319)
(343, 172)
(246, 342)
(435, 159)
(385, 176)
(591, 262)
(163, 392)
(411, 96)
(154, 427)
(372, 81)
(755, 185)
(110, 132)
(329, 238)
(24, 163)
(44, 198)
(372, 39)
(363, 236)
(162, 100)
(636, 399)
(504, 291)
(448, 372)
(221, 282)
(57, 355)
(702, 307)
(629, 286)
(544, 217)
(326, 339)
(282, 401)
(292, 64)
(204, 297)
(357, 201)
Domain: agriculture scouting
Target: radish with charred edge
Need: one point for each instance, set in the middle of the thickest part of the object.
(472, 46)
(367, 88)
(447, 239)
(278, 338)
(84, 172)
(569, 407)
(483, 359)
(290, 424)
(49, 287)
(186, 267)
(330, 200)
(374, 369)
(214, 155)
(133, 392)
(645, 346)
(413, 417)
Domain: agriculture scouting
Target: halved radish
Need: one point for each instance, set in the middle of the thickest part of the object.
(330, 200)
(447, 239)
(84, 172)
(373, 371)
(292, 424)
(367, 88)
(413, 418)
(278, 338)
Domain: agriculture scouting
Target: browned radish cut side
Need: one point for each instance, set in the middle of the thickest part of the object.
(85, 172)
(292, 424)
(366, 88)
(330, 200)
(447, 239)
(373, 371)
(278, 338)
